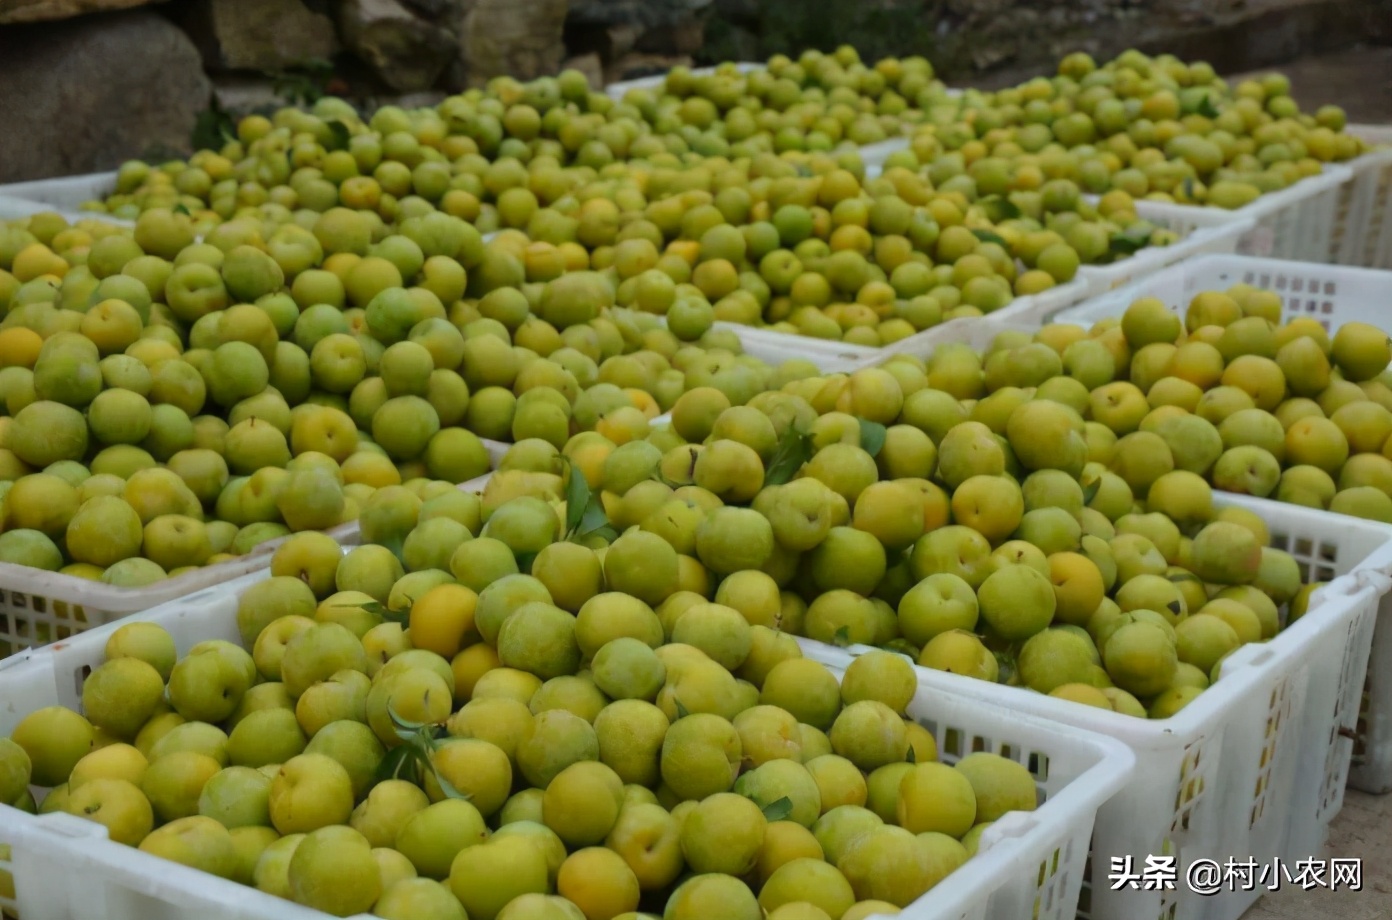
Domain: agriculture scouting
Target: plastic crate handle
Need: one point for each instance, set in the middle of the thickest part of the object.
(1380, 582)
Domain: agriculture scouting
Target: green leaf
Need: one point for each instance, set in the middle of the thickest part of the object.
(381, 610)
(524, 562)
(999, 208)
(180, 209)
(794, 450)
(594, 517)
(400, 724)
(872, 436)
(1090, 490)
(400, 763)
(448, 788)
(1188, 186)
(778, 810)
(1206, 107)
(606, 533)
(577, 498)
(682, 711)
(1128, 241)
(341, 134)
(990, 236)
(912, 756)
(842, 637)
(1005, 665)
(903, 647)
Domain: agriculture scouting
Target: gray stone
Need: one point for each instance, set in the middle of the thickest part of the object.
(520, 38)
(46, 10)
(651, 14)
(266, 35)
(686, 36)
(407, 51)
(83, 95)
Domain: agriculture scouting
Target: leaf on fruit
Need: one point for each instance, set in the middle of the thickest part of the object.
(794, 449)
(1090, 490)
(382, 610)
(606, 533)
(682, 711)
(577, 498)
(402, 725)
(340, 134)
(1129, 241)
(1183, 576)
(1005, 668)
(911, 756)
(990, 236)
(1206, 107)
(400, 763)
(872, 436)
(1188, 187)
(594, 518)
(180, 209)
(842, 637)
(903, 647)
(778, 810)
(448, 788)
(999, 208)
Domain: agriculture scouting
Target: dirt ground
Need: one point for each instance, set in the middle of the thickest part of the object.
(1363, 831)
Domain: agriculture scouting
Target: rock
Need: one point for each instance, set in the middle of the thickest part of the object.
(45, 10)
(407, 52)
(650, 14)
(685, 36)
(520, 38)
(615, 28)
(83, 95)
(265, 35)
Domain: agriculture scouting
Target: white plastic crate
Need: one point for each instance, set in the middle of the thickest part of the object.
(39, 607)
(65, 194)
(1294, 223)
(16, 208)
(1363, 216)
(1214, 232)
(1255, 767)
(656, 82)
(1029, 865)
(874, 155)
(835, 356)
(1331, 294)
(68, 193)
